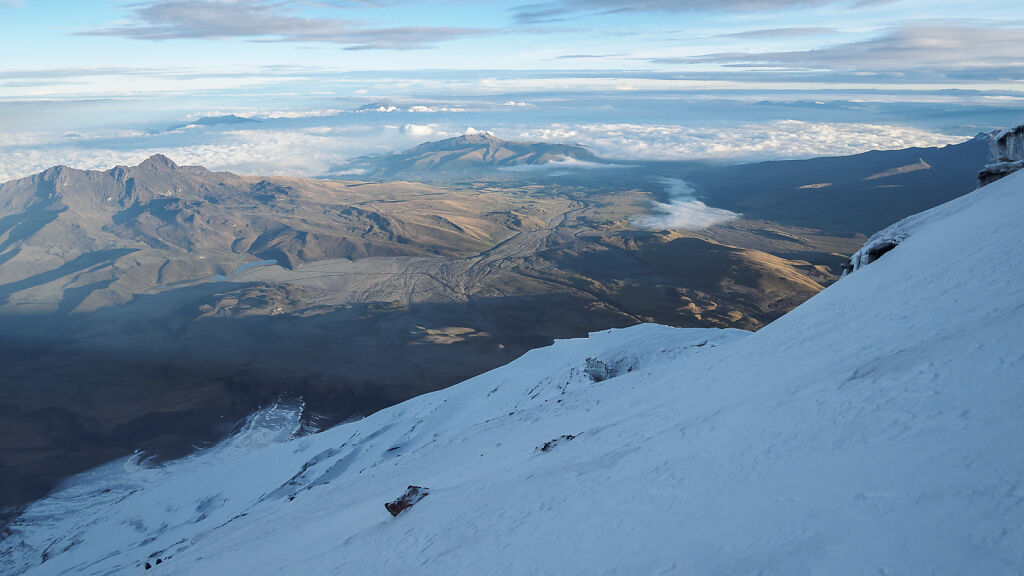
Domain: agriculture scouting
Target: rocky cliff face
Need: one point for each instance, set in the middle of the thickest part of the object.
(1007, 155)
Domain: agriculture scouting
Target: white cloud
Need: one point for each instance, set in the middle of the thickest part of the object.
(309, 151)
(433, 109)
(772, 140)
(424, 130)
(562, 165)
(683, 211)
(349, 172)
(42, 138)
(312, 150)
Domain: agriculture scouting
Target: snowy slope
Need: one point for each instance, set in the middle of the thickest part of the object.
(874, 430)
(881, 242)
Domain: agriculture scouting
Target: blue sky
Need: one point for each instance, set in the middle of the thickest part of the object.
(75, 74)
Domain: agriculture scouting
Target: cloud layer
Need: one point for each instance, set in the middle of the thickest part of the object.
(316, 142)
(771, 140)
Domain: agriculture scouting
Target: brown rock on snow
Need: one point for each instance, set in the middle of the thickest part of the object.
(412, 495)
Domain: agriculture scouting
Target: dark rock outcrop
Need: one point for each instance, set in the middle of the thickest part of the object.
(412, 495)
(551, 443)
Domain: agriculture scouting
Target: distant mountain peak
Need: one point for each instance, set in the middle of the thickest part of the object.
(158, 162)
(377, 107)
(58, 170)
(474, 150)
(477, 137)
(225, 119)
(465, 140)
(206, 121)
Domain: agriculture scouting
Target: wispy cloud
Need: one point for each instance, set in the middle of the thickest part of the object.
(939, 50)
(683, 211)
(562, 166)
(272, 21)
(538, 13)
(780, 32)
(586, 56)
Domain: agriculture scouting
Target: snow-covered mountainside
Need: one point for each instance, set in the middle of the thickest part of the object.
(874, 430)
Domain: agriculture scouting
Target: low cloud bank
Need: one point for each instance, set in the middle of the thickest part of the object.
(313, 142)
(781, 139)
(683, 211)
(564, 164)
